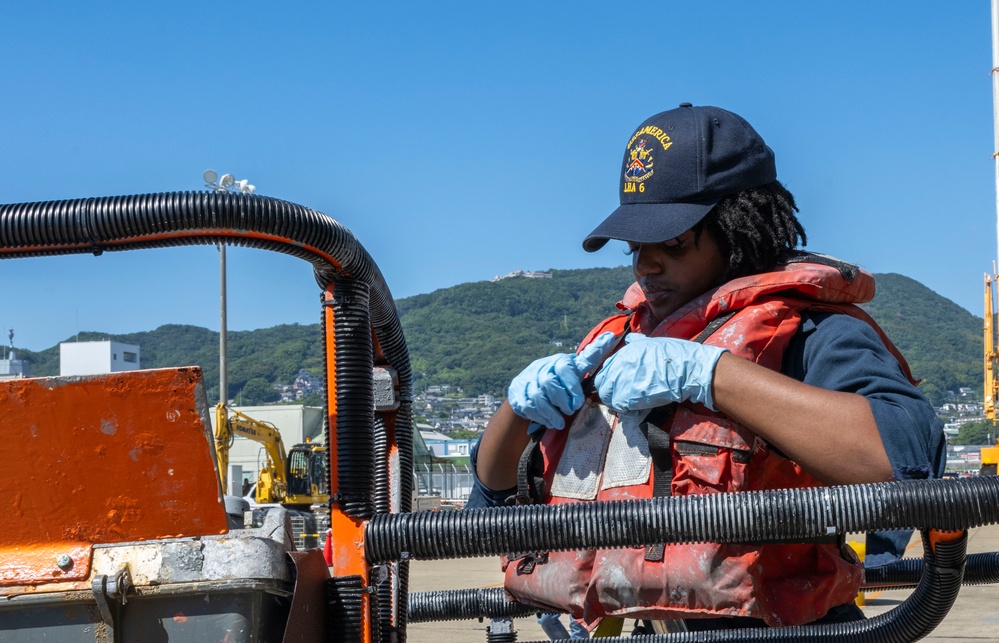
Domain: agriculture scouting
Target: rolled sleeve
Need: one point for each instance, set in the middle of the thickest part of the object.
(481, 496)
(840, 353)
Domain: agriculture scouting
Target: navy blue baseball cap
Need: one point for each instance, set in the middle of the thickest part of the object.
(677, 166)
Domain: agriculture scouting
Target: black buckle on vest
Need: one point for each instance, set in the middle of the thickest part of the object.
(530, 474)
(655, 553)
(527, 564)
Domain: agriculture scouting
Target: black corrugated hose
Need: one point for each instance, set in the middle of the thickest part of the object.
(939, 584)
(910, 621)
(344, 596)
(355, 399)
(404, 440)
(769, 516)
(980, 569)
(464, 604)
(98, 225)
(782, 515)
(382, 500)
(501, 631)
(103, 224)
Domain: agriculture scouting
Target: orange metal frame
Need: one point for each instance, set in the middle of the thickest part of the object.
(102, 459)
(347, 533)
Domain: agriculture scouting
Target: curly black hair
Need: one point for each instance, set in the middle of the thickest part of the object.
(756, 229)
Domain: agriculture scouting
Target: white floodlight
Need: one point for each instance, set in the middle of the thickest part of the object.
(226, 181)
(250, 189)
(210, 177)
(241, 185)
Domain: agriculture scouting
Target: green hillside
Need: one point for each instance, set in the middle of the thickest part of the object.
(479, 335)
(941, 341)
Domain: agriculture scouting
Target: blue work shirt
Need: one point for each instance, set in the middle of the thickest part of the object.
(841, 353)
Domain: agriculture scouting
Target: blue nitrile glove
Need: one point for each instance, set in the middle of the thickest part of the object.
(654, 371)
(553, 386)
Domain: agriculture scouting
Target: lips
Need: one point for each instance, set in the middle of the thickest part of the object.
(655, 294)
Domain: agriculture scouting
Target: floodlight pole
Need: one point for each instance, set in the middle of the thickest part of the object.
(222, 184)
(223, 375)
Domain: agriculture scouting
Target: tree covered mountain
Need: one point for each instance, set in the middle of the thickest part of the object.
(257, 358)
(942, 342)
(479, 335)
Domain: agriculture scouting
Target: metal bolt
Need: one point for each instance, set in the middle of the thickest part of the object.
(64, 561)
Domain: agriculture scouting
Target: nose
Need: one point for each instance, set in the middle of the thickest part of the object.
(643, 261)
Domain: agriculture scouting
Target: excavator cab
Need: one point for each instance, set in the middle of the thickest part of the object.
(308, 475)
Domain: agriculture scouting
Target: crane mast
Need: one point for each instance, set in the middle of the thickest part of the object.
(991, 387)
(990, 454)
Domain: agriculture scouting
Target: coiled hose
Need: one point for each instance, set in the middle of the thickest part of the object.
(344, 595)
(98, 225)
(940, 581)
(491, 602)
(910, 621)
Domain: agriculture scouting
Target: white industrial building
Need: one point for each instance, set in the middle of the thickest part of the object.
(95, 358)
(11, 367)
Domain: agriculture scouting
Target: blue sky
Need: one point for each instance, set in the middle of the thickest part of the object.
(462, 140)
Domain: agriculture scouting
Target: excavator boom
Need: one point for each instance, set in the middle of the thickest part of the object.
(272, 480)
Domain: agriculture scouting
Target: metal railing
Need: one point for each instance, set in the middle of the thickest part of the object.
(447, 481)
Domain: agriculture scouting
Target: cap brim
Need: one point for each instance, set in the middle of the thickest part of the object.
(647, 223)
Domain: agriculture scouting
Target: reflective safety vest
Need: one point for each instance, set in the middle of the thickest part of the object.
(691, 450)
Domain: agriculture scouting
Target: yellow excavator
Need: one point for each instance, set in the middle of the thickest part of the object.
(296, 480)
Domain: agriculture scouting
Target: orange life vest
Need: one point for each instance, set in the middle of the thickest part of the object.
(600, 458)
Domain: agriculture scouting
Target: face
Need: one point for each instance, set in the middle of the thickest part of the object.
(674, 272)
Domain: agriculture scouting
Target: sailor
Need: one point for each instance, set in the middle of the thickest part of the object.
(739, 362)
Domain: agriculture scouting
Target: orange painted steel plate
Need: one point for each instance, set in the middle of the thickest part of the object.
(102, 459)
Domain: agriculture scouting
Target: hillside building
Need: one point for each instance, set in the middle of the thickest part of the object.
(527, 274)
(444, 446)
(95, 358)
